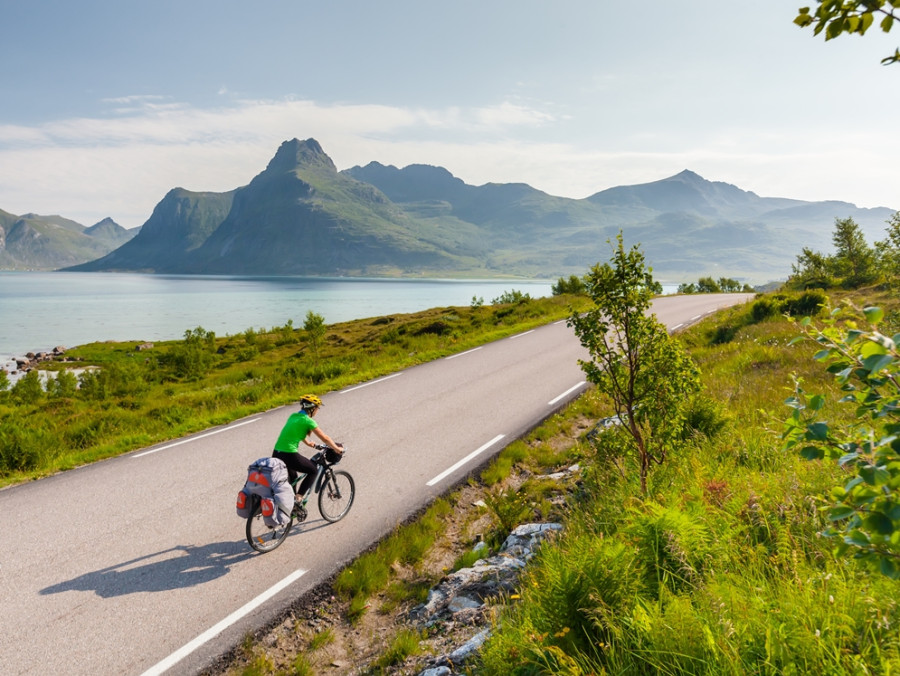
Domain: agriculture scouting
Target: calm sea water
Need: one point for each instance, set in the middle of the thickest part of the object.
(40, 310)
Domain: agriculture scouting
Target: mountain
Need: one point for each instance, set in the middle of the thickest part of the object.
(687, 226)
(33, 242)
(179, 224)
(300, 216)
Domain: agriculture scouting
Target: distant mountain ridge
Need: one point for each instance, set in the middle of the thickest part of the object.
(301, 216)
(34, 242)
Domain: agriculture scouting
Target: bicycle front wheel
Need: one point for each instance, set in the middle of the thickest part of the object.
(260, 536)
(336, 496)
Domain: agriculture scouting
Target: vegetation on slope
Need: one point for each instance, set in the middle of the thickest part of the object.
(123, 397)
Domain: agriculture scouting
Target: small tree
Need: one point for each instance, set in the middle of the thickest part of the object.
(812, 271)
(29, 389)
(574, 284)
(854, 258)
(887, 251)
(645, 372)
(864, 512)
(192, 358)
(64, 385)
(707, 285)
(314, 325)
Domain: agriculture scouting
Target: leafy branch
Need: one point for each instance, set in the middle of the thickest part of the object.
(865, 511)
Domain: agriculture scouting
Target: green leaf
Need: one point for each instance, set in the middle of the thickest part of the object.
(873, 314)
(857, 538)
(817, 402)
(888, 568)
(886, 23)
(811, 453)
(834, 29)
(840, 512)
(867, 19)
(878, 522)
(877, 362)
(817, 431)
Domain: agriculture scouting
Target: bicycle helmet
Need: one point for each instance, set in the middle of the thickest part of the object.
(310, 402)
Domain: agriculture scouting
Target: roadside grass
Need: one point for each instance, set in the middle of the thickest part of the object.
(130, 398)
(405, 643)
(721, 568)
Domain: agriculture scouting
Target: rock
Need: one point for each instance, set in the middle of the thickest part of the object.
(144, 346)
(437, 671)
(522, 542)
(465, 651)
(460, 603)
(467, 588)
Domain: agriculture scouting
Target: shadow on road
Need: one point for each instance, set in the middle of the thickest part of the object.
(175, 568)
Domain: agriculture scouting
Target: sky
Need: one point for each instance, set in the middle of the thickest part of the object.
(106, 105)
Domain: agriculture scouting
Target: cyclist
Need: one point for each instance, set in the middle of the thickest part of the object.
(295, 430)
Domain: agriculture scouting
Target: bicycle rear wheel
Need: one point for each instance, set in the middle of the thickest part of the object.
(336, 496)
(260, 536)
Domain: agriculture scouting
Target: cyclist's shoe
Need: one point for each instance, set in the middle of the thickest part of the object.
(299, 513)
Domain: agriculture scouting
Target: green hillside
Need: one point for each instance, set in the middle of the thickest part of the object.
(34, 242)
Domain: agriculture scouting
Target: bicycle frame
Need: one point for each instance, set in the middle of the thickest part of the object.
(322, 469)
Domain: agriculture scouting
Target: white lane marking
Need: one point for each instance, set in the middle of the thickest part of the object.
(211, 633)
(693, 319)
(371, 382)
(561, 321)
(454, 356)
(566, 393)
(522, 334)
(462, 462)
(677, 326)
(199, 436)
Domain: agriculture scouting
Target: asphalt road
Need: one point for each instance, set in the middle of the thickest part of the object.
(138, 564)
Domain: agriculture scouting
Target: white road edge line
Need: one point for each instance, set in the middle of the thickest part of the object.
(454, 356)
(214, 631)
(677, 326)
(566, 393)
(199, 436)
(462, 462)
(519, 335)
(371, 382)
(693, 319)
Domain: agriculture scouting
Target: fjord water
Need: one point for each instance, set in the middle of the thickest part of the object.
(40, 310)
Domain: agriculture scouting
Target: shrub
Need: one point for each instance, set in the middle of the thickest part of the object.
(671, 545)
(28, 390)
(704, 416)
(807, 304)
(63, 386)
(511, 297)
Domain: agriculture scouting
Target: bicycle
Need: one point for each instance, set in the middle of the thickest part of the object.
(336, 491)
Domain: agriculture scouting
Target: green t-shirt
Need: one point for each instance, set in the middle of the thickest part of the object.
(295, 430)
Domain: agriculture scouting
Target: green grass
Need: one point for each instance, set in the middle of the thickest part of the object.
(136, 398)
(404, 644)
(721, 568)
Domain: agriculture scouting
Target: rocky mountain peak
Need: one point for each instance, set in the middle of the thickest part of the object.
(297, 154)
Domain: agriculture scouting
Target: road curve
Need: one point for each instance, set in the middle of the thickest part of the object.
(138, 564)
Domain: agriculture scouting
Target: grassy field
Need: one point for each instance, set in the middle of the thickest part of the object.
(721, 569)
(127, 398)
